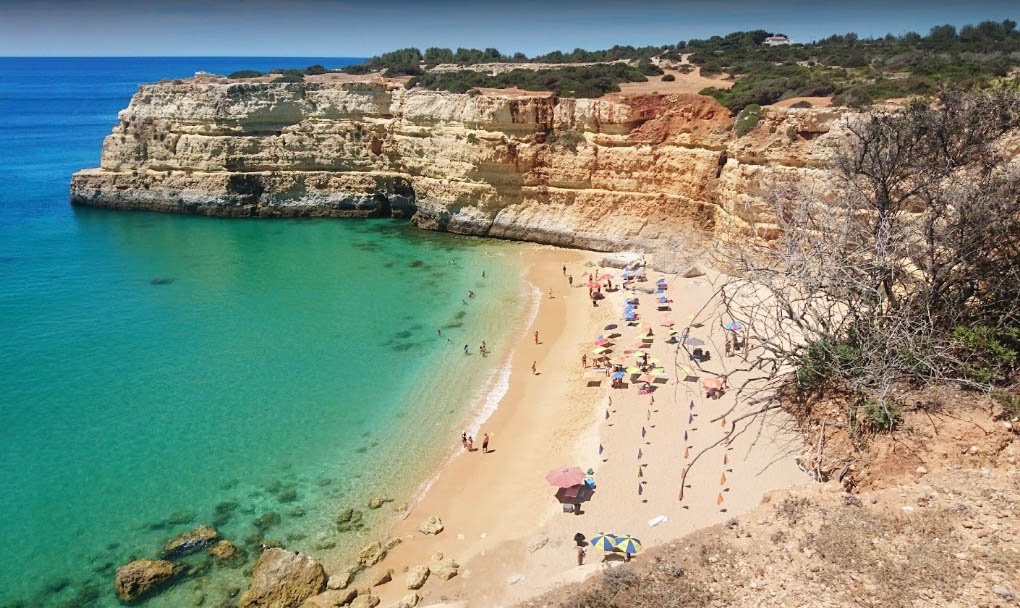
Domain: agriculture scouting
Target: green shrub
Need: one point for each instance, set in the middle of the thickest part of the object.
(1010, 403)
(747, 119)
(825, 362)
(315, 69)
(567, 139)
(989, 353)
(803, 103)
(245, 74)
(882, 417)
(668, 78)
(290, 78)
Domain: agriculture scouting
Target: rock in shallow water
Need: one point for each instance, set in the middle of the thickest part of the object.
(190, 542)
(283, 579)
(145, 577)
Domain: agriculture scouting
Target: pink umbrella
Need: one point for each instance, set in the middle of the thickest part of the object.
(711, 383)
(594, 284)
(564, 477)
(601, 341)
(606, 276)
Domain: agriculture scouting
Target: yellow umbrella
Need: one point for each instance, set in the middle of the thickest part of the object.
(633, 370)
(600, 349)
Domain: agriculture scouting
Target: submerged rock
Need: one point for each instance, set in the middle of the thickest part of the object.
(190, 542)
(145, 577)
(227, 553)
(283, 579)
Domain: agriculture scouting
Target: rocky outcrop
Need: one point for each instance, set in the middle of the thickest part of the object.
(190, 542)
(143, 578)
(283, 579)
(432, 525)
(641, 172)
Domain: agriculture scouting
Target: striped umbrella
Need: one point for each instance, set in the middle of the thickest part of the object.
(628, 544)
(606, 542)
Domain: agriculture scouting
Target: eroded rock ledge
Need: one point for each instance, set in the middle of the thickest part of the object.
(644, 172)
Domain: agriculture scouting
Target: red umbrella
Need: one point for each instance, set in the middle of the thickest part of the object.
(606, 276)
(564, 477)
(594, 284)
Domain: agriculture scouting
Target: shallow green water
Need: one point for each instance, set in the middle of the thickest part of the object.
(274, 367)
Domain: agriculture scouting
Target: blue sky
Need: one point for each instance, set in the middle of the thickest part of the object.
(361, 28)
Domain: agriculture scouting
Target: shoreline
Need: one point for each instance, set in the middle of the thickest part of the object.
(501, 523)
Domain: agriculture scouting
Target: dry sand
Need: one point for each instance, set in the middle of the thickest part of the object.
(502, 522)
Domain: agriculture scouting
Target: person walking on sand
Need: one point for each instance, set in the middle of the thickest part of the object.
(485, 443)
(536, 337)
(570, 280)
(564, 270)
(581, 552)
(534, 368)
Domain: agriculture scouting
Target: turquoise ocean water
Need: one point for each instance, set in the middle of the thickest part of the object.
(159, 371)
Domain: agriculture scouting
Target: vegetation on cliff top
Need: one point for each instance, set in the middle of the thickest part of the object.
(857, 71)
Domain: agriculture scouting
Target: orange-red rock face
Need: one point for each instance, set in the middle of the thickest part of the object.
(643, 172)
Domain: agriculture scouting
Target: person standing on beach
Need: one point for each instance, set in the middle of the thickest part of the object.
(536, 336)
(471, 443)
(584, 360)
(463, 439)
(570, 280)
(564, 270)
(534, 368)
(581, 552)
(485, 443)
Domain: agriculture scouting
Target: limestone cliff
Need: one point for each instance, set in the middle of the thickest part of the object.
(641, 172)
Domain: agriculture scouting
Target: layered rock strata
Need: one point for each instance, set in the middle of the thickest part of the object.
(641, 172)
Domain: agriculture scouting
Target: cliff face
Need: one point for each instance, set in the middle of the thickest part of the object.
(642, 172)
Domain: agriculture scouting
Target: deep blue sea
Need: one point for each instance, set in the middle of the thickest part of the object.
(161, 371)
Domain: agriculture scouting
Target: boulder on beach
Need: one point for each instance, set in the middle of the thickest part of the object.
(330, 599)
(191, 542)
(408, 601)
(283, 579)
(145, 577)
(432, 525)
(365, 601)
(417, 576)
(381, 578)
(445, 570)
(371, 554)
(340, 580)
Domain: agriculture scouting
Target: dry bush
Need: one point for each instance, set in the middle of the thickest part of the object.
(623, 587)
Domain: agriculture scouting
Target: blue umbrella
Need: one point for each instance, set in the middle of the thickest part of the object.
(663, 300)
(618, 375)
(661, 281)
(734, 326)
(628, 544)
(606, 542)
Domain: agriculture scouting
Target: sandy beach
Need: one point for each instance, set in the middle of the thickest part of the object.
(502, 522)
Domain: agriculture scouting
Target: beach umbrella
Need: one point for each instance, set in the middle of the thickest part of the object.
(599, 350)
(606, 276)
(663, 300)
(710, 383)
(594, 284)
(694, 342)
(660, 282)
(601, 540)
(611, 326)
(617, 375)
(633, 370)
(565, 477)
(601, 342)
(734, 326)
(639, 271)
(628, 544)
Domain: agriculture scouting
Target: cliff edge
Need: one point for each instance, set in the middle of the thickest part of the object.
(644, 172)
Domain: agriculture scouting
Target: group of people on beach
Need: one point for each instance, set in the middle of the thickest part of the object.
(469, 442)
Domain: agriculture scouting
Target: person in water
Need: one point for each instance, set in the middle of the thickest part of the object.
(466, 350)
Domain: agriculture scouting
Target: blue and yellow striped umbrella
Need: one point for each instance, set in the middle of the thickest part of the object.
(628, 544)
(606, 542)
